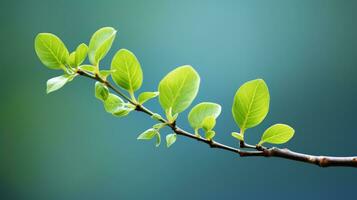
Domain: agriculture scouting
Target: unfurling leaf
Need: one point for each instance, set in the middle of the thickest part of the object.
(101, 91)
(277, 134)
(251, 104)
(128, 73)
(201, 111)
(122, 111)
(72, 59)
(209, 134)
(105, 73)
(178, 89)
(170, 139)
(88, 68)
(100, 44)
(145, 96)
(51, 51)
(238, 136)
(209, 123)
(148, 134)
(156, 116)
(56, 83)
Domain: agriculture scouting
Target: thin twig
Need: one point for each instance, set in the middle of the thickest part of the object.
(322, 161)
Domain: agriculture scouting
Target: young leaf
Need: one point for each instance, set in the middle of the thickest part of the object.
(209, 134)
(113, 103)
(88, 68)
(277, 134)
(148, 134)
(101, 91)
(178, 89)
(209, 123)
(251, 104)
(72, 59)
(201, 111)
(156, 116)
(145, 96)
(170, 139)
(81, 54)
(122, 111)
(100, 44)
(105, 73)
(238, 136)
(159, 126)
(51, 51)
(56, 83)
(128, 73)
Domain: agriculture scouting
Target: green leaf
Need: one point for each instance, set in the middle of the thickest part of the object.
(277, 134)
(156, 116)
(88, 68)
(105, 73)
(101, 91)
(122, 111)
(159, 126)
(209, 123)
(128, 73)
(72, 59)
(145, 96)
(113, 103)
(178, 89)
(201, 111)
(170, 139)
(209, 134)
(51, 51)
(56, 83)
(251, 104)
(100, 44)
(238, 136)
(81, 54)
(158, 139)
(148, 134)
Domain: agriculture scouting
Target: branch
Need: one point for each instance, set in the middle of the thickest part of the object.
(322, 161)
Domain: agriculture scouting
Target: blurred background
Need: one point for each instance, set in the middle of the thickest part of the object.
(65, 146)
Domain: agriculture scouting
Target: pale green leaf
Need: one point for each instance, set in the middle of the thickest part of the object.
(122, 111)
(178, 89)
(88, 68)
(199, 112)
(170, 139)
(100, 44)
(72, 59)
(209, 123)
(105, 73)
(113, 103)
(51, 51)
(101, 91)
(238, 136)
(148, 134)
(56, 83)
(145, 96)
(209, 134)
(81, 54)
(251, 104)
(159, 126)
(156, 116)
(277, 134)
(128, 73)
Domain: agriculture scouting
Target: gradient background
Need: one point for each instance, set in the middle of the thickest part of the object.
(64, 146)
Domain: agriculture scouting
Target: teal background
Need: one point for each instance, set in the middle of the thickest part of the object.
(63, 146)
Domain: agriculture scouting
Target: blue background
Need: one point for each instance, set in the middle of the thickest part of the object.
(64, 146)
